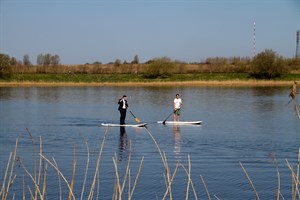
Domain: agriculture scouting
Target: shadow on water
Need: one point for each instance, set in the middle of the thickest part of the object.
(78, 121)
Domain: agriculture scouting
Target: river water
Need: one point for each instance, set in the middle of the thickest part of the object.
(252, 125)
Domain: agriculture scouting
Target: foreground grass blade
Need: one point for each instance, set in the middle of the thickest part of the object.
(252, 185)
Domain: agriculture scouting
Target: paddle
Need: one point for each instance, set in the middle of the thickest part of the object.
(136, 119)
(164, 122)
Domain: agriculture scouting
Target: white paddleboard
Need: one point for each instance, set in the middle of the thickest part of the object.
(181, 122)
(125, 125)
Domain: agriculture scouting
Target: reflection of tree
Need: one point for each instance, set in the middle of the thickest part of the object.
(123, 143)
(176, 133)
(263, 101)
(264, 91)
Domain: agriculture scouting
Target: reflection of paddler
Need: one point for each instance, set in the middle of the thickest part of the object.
(123, 142)
(293, 92)
(122, 130)
(176, 133)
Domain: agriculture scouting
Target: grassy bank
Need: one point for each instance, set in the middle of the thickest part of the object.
(139, 79)
(89, 78)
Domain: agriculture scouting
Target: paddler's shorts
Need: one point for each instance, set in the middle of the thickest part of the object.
(177, 112)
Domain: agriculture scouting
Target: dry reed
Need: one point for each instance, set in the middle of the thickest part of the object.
(86, 169)
(59, 182)
(5, 190)
(97, 165)
(40, 191)
(73, 174)
(60, 173)
(205, 187)
(191, 182)
(250, 181)
(32, 178)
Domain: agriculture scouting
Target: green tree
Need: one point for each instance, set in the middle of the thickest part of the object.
(5, 67)
(267, 65)
(159, 67)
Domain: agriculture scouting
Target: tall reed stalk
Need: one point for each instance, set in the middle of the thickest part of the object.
(250, 181)
(10, 179)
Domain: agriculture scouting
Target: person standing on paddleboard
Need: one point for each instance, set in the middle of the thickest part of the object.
(177, 105)
(123, 105)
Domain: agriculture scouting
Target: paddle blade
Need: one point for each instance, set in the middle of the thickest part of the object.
(137, 120)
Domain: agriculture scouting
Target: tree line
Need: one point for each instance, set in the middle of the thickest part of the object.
(265, 65)
(42, 59)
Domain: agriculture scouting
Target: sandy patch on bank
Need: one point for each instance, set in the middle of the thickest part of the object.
(232, 83)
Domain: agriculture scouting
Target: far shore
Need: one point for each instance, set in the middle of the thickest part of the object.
(231, 83)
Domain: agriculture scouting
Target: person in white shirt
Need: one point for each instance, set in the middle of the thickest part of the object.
(177, 106)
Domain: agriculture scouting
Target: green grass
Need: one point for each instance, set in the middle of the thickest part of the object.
(114, 78)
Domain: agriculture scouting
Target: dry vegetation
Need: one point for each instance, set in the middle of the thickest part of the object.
(129, 182)
(125, 69)
(267, 60)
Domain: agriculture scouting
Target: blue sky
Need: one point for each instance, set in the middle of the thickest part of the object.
(85, 31)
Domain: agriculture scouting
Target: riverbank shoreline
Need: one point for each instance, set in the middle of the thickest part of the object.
(212, 83)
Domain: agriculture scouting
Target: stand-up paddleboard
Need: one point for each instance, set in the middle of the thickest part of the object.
(180, 122)
(124, 125)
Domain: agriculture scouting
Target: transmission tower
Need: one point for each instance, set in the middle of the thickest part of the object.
(254, 39)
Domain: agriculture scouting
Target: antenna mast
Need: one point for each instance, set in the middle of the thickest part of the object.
(298, 45)
(254, 39)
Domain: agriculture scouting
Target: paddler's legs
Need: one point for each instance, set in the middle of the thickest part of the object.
(122, 116)
(177, 115)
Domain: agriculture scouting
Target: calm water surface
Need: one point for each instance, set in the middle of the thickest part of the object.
(239, 124)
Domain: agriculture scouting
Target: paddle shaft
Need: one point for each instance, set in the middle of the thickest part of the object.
(136, 119)
(164, 122)
(132, 113)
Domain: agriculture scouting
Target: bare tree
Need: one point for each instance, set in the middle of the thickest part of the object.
(117, 63)
(135, 60)
(13, 61)
(55, 60)
(47, 59)
(26, 60)
(40, 59)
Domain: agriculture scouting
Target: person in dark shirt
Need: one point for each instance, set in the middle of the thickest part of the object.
(123, 105)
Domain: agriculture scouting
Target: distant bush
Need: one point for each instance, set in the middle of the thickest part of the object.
(117, 63)
(5, 67)
(159, 67)
(267, 65)
(293, 63)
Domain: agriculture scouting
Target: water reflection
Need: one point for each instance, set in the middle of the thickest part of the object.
(241, 124)
(177, 138)
(123, 144)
